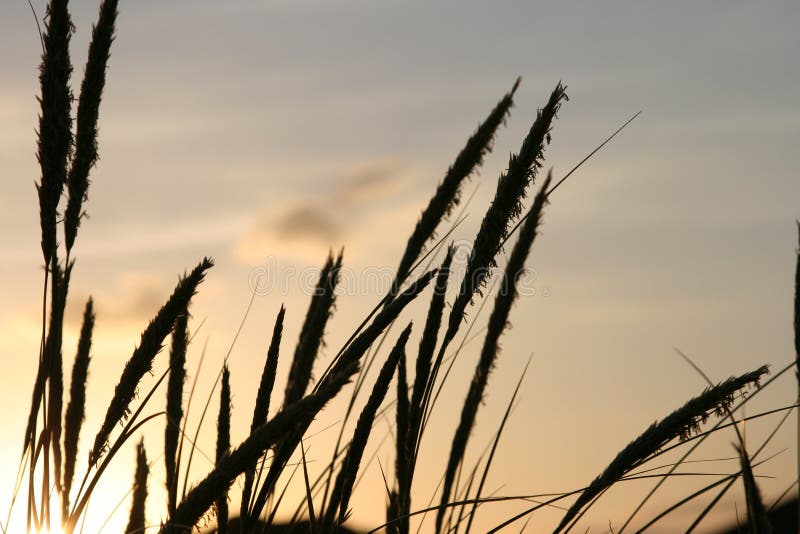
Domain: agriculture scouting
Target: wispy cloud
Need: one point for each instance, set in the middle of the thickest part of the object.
(134, 300)
(306, 228)
(371, 181)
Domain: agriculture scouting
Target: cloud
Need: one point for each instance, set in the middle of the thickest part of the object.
(134, 300)
(370, 181)
(307, 228)
(305, 221)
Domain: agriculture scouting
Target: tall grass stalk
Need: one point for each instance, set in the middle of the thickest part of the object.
(313, 331)
(337, 507)
(73, 418)
(261, 410)
(223, 444)
(137, 521)
(497, 325)
(177, 378)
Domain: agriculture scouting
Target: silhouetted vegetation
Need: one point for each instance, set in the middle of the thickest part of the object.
(67, 152)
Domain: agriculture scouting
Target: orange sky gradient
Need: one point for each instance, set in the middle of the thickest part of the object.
(267, 133)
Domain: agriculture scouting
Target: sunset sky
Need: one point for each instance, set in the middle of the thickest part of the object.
(266, 133)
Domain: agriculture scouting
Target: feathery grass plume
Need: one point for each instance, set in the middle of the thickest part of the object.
(347, 358)
(448, 193)
(757, 515)
(223, 444)
(261, 410)
(680, 424)
(505, 208)
(73, 418)
(403, 452)
(343, 487)
(141, 360)
(85, 155)
(55, 121)
(298, 415)
(311, 335)
(136, 522)
(177, 378)
(497, 324)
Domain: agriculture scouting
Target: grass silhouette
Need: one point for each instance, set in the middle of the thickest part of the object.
(68, 150)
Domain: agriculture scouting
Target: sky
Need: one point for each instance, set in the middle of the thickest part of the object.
(266, 133)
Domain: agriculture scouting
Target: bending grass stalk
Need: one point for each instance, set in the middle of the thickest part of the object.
(76, 408)
(342, 489)
(730, 481)
(497, 325)
(136, 521)
(142, 359)
(700, 438)
(680, 424)
(382, 320)
(505, 207)
(448, 193)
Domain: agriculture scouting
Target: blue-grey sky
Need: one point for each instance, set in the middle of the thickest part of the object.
(250, 130)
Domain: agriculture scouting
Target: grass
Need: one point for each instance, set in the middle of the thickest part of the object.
(67, 152)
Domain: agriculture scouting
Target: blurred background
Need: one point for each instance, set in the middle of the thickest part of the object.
(264, 134)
